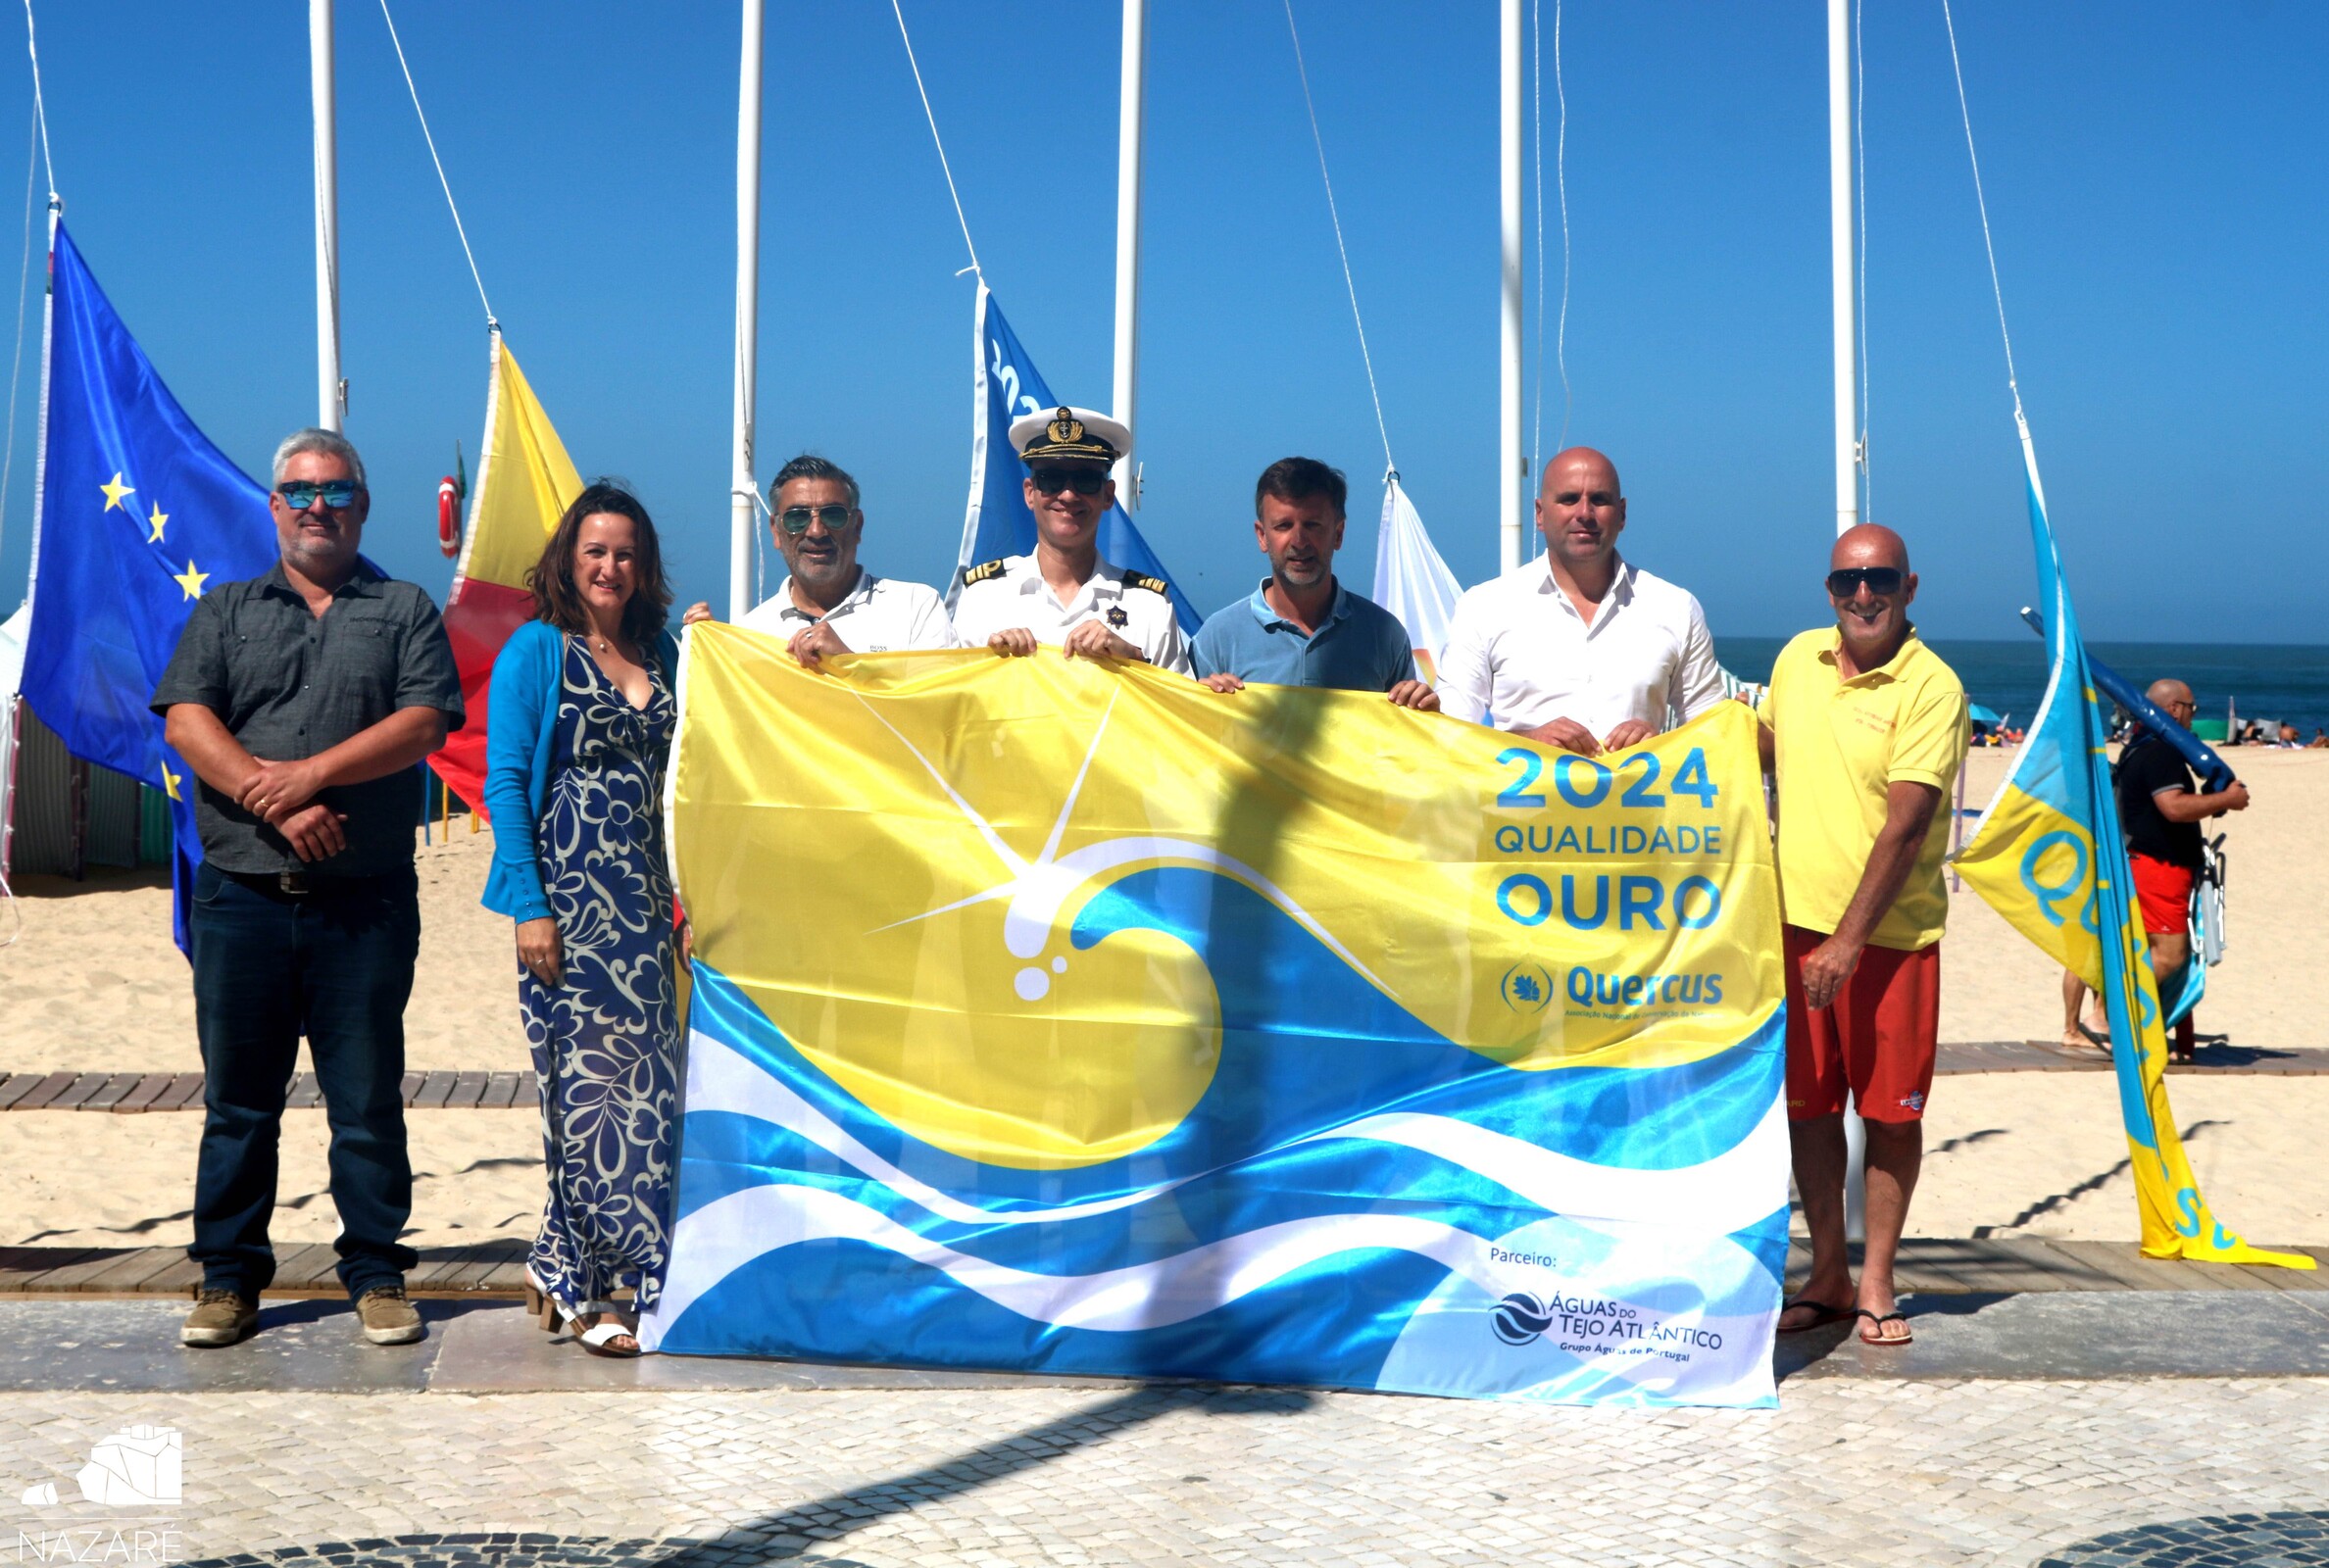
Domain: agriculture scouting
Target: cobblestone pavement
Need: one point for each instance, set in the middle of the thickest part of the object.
(1846, 1471)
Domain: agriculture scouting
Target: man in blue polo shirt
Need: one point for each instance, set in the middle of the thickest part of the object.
(1301, 627)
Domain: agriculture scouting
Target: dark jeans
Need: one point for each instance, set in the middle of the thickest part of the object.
(336, 965)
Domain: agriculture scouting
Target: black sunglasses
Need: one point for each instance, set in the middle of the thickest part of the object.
(796, 519)
(1882, 581)
(1083, 481)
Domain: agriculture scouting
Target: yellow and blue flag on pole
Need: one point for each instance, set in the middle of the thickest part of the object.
(2049, 857)
(137, 515)
(1056, 1016)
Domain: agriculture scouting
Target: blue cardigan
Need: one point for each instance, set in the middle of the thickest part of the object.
(520, 725)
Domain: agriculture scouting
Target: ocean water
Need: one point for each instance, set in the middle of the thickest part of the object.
(2266, 681)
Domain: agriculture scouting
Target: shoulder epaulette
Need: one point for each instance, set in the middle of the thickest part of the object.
(1135, 579)
(982, 571)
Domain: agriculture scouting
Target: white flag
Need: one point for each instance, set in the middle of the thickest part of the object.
(1411, 580)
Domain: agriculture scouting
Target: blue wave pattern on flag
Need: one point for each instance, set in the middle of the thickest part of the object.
(1006, 386)
(1503, 1213)
(139, 516)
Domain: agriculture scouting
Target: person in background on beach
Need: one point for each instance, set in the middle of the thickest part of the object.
(579, 733)
(2161, 812)
(1302, 627)
(2319, 741)
(1065, 595)
(302, 700)
(1581, 650)
(1866, 728)
(829, 604)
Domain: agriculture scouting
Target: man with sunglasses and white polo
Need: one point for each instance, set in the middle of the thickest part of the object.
(829, 604)
(1065, 595)
(1867, 729)
(302, 700)
(1581, 650)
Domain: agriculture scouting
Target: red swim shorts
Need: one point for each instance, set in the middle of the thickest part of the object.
(1877, 1038)
(2164, 893)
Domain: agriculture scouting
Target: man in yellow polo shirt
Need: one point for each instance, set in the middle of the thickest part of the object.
(1867, 728)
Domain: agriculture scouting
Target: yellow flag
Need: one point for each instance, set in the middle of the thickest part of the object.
(2047, 857)
(526, 481)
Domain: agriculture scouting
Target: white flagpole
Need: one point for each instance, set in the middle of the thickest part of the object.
(1840, 245)
(1847, 451)
(743, 487)
(332, 391)
(1512, 486)
(1127, 260)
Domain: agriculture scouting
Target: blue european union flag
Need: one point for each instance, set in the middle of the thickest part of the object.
(138, 515)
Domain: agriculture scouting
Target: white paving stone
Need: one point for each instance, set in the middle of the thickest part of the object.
(1846, 1471)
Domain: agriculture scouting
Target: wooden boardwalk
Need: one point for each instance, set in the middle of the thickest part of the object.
(490, 1269)
(127, 1093)
(2045, 1056)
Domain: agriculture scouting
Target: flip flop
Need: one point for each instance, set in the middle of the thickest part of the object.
(2101, 1042)
(1901, 1318)
(1822, 1314)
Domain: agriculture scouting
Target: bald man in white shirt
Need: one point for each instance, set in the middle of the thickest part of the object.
(1580, 650)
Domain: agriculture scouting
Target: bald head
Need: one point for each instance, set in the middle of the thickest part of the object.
(1581, 512)
(1868, 544)
(1592, 471)
(2169, 694)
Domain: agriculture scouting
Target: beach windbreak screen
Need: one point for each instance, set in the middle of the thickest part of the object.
(1067, 1016)
(2049, 857)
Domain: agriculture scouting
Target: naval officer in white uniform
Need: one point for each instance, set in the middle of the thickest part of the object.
(1065, 595)
(829, 604)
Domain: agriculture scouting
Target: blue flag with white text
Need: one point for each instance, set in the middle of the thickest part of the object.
(138, 515)
(1006, 386)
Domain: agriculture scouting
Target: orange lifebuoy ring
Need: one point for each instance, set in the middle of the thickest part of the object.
(449, 515)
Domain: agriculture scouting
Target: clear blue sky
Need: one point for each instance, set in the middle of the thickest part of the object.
(2156, 177)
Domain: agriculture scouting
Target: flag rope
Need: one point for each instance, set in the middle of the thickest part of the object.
(1989, 247)
(1390, 465)
(936, 140)
(16, 368)
(39, 102)
(452, 206)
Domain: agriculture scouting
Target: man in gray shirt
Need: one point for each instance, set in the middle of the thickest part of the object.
(302, 700)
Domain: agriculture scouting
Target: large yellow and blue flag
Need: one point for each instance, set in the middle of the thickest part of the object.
(1055, 1016)
(2049, 857)
(138, 515)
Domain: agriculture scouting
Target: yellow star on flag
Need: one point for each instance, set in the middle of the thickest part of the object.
(190, 580)
(157, 520)
(115, 491)
(169, 782)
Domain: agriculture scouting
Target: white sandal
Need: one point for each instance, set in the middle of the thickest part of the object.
(598, 1338)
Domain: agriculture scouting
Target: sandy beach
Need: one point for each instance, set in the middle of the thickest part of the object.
(94, 984)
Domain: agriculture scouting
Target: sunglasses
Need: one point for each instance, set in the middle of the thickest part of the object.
(1083, 481)
(337, 494)
(1882, 581)
(796, 519)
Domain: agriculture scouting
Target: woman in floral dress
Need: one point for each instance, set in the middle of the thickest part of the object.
(579, 730)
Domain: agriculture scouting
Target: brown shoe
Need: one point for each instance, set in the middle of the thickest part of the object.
(388, 1319)
(219, 1317)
